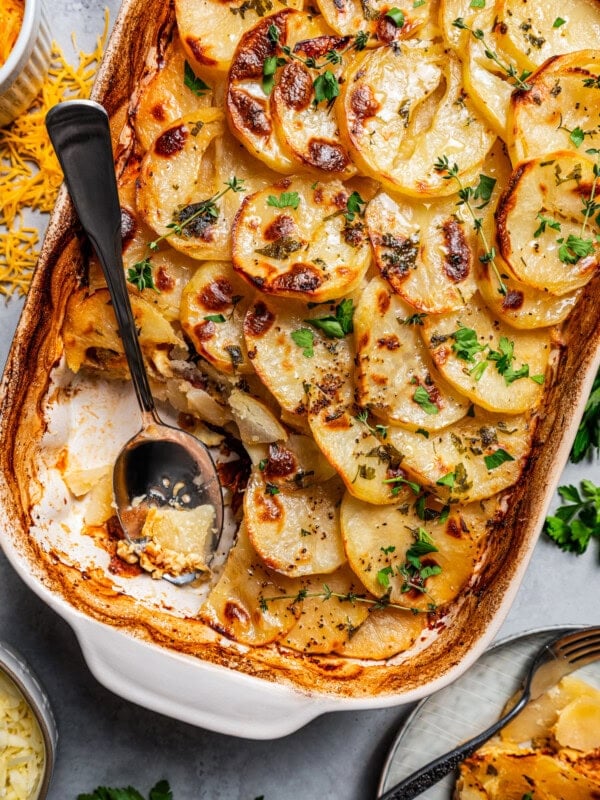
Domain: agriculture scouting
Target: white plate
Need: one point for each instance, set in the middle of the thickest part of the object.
(465, 708)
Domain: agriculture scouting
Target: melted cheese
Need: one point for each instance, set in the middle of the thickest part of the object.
(21, 746)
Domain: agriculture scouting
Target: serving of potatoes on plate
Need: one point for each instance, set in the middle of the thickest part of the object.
(351, 234)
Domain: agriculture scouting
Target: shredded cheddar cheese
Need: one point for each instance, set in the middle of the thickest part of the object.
(21, 746)
(30, 175)
(11, 19)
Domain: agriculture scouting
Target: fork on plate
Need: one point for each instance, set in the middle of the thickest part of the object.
(555, 660)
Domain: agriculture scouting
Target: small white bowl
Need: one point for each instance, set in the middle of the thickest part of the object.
(23, 73)
(13, 667)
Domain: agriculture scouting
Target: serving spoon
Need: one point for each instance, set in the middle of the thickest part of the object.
(160, 465)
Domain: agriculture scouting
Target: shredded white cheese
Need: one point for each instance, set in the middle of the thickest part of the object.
(21, 746)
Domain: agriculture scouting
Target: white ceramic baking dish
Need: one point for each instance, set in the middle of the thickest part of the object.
(137, 647)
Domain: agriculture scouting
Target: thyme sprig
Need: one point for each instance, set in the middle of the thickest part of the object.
(140, 274)
(350, 597)
(465, 195)
(519, 81)
(378, 430)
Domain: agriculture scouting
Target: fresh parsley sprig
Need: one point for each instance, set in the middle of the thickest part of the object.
(338, 326)
(141, 276)
(587, 437)
(466, 194)
(575, 524)
(161, 791)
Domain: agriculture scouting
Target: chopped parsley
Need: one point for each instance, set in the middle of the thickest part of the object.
(305, 339)
(397, 16)
(140, 275)
(499, 457)
(285, 200)
(193, 82)
(422, 398)
(588, 434)
(338, 326)
(558, 22)
(218, 318)
(326, 88)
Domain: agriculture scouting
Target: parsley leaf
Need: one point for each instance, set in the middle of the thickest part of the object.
(285, 200)
(354, 206)
(326, 87)
(574, 248)
(396, 16)
(577, 136)
(483, 190)
(336, 327)
(588, 433)
(447, 480)
(477, 4)
(558, 22)
(575, 524)
(161, 791)
(465, 344)
(500, 456)
(421, 396)
(545, 222)
(140, 275)
(218, 318)
(304, 338)
(193, 82)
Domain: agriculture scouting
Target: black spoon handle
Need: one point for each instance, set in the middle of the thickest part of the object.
(80, 134)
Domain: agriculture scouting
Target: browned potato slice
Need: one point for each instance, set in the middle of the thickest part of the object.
(306, 128)
(295, 532)
(273, 329)
(234, 605)
(529, 34)
(248, 105)
(473, 459)
(91, 336)
(384, 543)
(522, 306)
(542, 120)
(165, 97)
(396, 378)
(425, 252)
(395, 111)
(325, 625)
(348, 17)
(179, 172)
(210, 29)
(293, 240)
(496, 366)
(513, 774)
(385, 633)
(213, 307)
(540, 220)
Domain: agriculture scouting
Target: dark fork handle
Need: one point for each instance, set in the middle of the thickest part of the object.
(437, 769)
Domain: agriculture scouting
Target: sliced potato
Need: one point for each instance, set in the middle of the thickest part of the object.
(470, 460)
(529, 34)
(234, 605)
(424, 251)
(396, 378)
(286, 367)
(348, 17)
(368, 464)
(91, 336)
(496, 366)
(213, 306)
(578, 724)
(295, 464)
(306, 249)
(165, 97)
(539, 216)
(559, 102)
(306, 127)
(449, 11)
(248, 105)
(489, 86)
(395, 111)
(256, 423)
(377, 540)
(522, 306)
(295, 532)
(210, 29)
(385, 633)
(177, 173)
(326, 624)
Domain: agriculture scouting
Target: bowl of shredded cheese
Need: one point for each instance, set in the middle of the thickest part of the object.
(25, 47)
(27, 731)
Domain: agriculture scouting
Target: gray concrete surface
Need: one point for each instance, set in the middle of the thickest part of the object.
(105, 740)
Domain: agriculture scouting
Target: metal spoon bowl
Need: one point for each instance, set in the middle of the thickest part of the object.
(160, 465)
